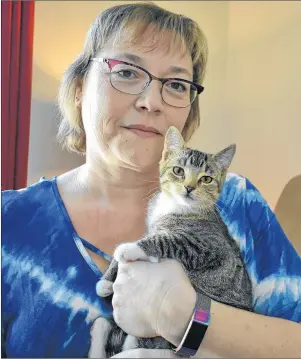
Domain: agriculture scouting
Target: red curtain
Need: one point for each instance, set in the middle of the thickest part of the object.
(17, 19)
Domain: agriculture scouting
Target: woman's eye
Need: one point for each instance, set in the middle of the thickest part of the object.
(178, 171)
(206, 179)
(126, 74)
(177, 86)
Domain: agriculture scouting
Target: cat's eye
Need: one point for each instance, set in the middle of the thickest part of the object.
(178, 171)
(206, 179)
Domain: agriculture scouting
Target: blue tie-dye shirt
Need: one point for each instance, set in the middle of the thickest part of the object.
(48, 279)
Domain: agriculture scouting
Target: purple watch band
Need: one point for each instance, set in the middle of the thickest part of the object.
(197, 328)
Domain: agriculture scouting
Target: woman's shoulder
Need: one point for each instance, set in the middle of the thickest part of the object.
(28, 200)
(249, 217)
(238, 185)
(234, 187)
(29, 210)
(245, 210)
(234, 207)
(240, 193)
(14, 200)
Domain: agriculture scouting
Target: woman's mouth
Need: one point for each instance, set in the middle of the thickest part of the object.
(143, 131)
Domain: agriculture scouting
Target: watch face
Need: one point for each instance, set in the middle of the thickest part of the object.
(202, 316)
(195, 336)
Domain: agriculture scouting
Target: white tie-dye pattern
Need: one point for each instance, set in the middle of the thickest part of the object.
(254, 197)
(282, 266)
(56, 290)
(240, 181)
(253, 275)
(287, 287)
(235, 185)
(71, 272)
(279, 285)
(234, 188)
(235, 232)
(68, 340)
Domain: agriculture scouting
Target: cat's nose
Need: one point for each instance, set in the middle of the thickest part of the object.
(189, 189)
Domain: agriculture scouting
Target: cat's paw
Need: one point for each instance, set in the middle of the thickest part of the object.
(130, 252)
(104, 288)
(99, 335)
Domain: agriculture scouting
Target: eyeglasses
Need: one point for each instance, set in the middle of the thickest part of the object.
(133, 79)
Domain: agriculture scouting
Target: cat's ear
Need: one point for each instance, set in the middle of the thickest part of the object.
(173, 141)
(225, 157)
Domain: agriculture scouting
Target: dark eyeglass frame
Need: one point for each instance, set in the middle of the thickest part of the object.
(163, 80)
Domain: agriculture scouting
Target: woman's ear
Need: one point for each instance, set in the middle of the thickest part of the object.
(78, 96)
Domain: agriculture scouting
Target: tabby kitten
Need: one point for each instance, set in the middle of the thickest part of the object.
(183, 223)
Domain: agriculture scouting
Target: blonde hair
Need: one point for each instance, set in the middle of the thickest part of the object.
(110, 24)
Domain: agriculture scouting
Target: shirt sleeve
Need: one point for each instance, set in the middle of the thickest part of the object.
(274, 264)
(6, 198)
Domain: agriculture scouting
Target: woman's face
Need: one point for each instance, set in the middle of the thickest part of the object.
(129, 129)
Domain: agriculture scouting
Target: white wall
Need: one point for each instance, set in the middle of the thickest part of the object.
(263, 93)
(253, 83)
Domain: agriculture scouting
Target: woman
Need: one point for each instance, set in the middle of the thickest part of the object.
(59, 234)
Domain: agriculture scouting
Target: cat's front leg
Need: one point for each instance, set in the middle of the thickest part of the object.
(132, 251)
(104, 287)
(99, 336)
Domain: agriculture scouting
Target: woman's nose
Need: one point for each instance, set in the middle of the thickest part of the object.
(151, 98)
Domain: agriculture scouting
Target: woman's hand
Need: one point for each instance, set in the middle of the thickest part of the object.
(153, 299)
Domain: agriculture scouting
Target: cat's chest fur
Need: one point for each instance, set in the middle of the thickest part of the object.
(163, 204)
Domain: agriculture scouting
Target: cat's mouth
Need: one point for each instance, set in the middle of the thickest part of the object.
(188, 196)
(189, 199)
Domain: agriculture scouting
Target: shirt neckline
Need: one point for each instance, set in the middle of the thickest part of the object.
(81, 243)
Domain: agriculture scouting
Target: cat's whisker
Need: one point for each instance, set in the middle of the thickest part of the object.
(149, 181)
(148, 197)
(149, 194)
(153, 189)
(217, 205)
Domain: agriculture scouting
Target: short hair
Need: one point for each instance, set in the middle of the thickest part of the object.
(110, 24)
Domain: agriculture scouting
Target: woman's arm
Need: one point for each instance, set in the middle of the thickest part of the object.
(237, 333)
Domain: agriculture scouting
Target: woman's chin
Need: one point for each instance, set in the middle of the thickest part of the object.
(141, 158)
(140, 163)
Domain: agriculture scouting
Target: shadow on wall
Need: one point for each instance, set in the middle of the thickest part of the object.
(288, 211)
(46, 158)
